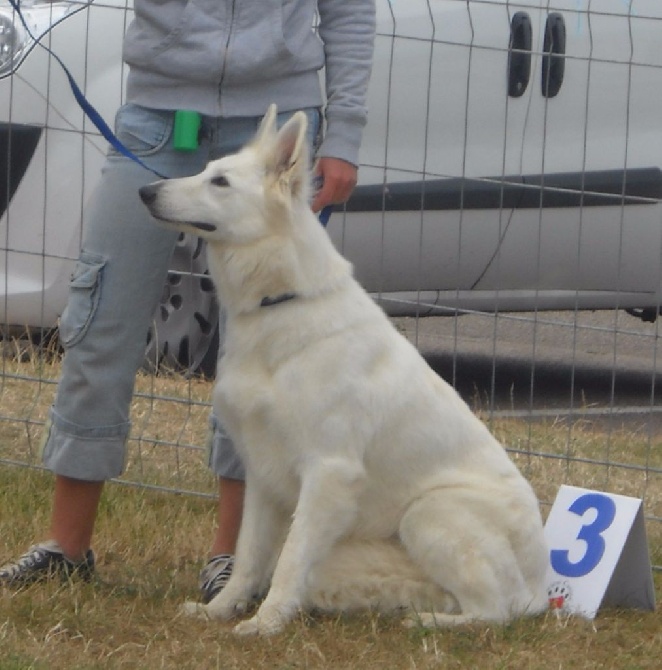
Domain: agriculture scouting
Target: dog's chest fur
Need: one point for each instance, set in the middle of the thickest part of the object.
(255, 397)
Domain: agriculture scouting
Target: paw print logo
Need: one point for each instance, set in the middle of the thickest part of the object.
(559, 595)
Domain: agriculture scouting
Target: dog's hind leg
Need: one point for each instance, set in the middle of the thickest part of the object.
(448, 535)
(375, 575)
(326, 508)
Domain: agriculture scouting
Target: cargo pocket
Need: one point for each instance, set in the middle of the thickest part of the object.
(84, 293)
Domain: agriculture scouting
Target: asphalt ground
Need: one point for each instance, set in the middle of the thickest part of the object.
(599, 364)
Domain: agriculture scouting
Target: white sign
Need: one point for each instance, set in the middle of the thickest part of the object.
(598, 553)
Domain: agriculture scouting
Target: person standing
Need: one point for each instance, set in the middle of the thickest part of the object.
(227, 60)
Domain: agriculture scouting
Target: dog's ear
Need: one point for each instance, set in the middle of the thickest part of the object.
(267, 126)
(288, 161)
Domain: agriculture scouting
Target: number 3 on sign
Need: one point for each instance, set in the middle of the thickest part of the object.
(589, 533)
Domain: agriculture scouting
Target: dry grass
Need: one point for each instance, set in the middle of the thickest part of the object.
(152, 543)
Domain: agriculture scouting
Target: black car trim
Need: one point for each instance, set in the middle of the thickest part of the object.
(17, 146)
(638, 186)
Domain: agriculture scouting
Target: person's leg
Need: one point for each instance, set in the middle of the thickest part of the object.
(113, 294)
(226, 464)
(75, 504)
(228, 467)
(230, 510)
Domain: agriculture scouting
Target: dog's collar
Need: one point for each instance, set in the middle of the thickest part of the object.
(267, 301)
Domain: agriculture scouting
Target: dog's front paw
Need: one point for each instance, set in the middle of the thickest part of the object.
(249, 627)
(226, 608)
(266, 622)
(220, 609)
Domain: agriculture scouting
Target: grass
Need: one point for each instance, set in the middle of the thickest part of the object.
(151, 544)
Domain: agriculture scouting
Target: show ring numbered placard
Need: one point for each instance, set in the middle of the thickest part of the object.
(598, 553)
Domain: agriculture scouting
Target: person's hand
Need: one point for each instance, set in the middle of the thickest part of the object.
(337, 178)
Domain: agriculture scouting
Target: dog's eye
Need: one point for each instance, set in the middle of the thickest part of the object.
(220, 181)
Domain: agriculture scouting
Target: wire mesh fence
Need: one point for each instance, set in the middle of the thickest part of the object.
(508, 217)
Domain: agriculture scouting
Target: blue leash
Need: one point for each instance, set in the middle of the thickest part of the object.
(97, 119)
(325, 215)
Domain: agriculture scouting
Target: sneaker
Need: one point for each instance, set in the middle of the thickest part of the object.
(44, 561)
(215, 575)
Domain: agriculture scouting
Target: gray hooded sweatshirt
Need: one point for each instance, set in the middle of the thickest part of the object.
(235, 57)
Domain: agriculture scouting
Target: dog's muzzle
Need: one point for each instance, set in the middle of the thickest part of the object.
(149, 193)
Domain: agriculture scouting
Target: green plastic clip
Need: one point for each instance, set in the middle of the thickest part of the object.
(187, 127)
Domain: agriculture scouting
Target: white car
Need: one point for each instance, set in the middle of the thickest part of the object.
(512, 161)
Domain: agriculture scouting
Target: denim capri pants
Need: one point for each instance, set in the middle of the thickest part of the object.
(115, 290)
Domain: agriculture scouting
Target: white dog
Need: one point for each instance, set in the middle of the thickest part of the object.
(370, 483)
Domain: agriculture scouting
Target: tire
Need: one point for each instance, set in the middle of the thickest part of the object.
(184, 335)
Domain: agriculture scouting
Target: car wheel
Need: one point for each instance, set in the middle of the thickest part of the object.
(185, 325)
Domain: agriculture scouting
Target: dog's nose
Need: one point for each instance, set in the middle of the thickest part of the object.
(148, 193)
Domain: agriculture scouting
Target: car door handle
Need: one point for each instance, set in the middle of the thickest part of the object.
(553, 60)
(519, 54)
